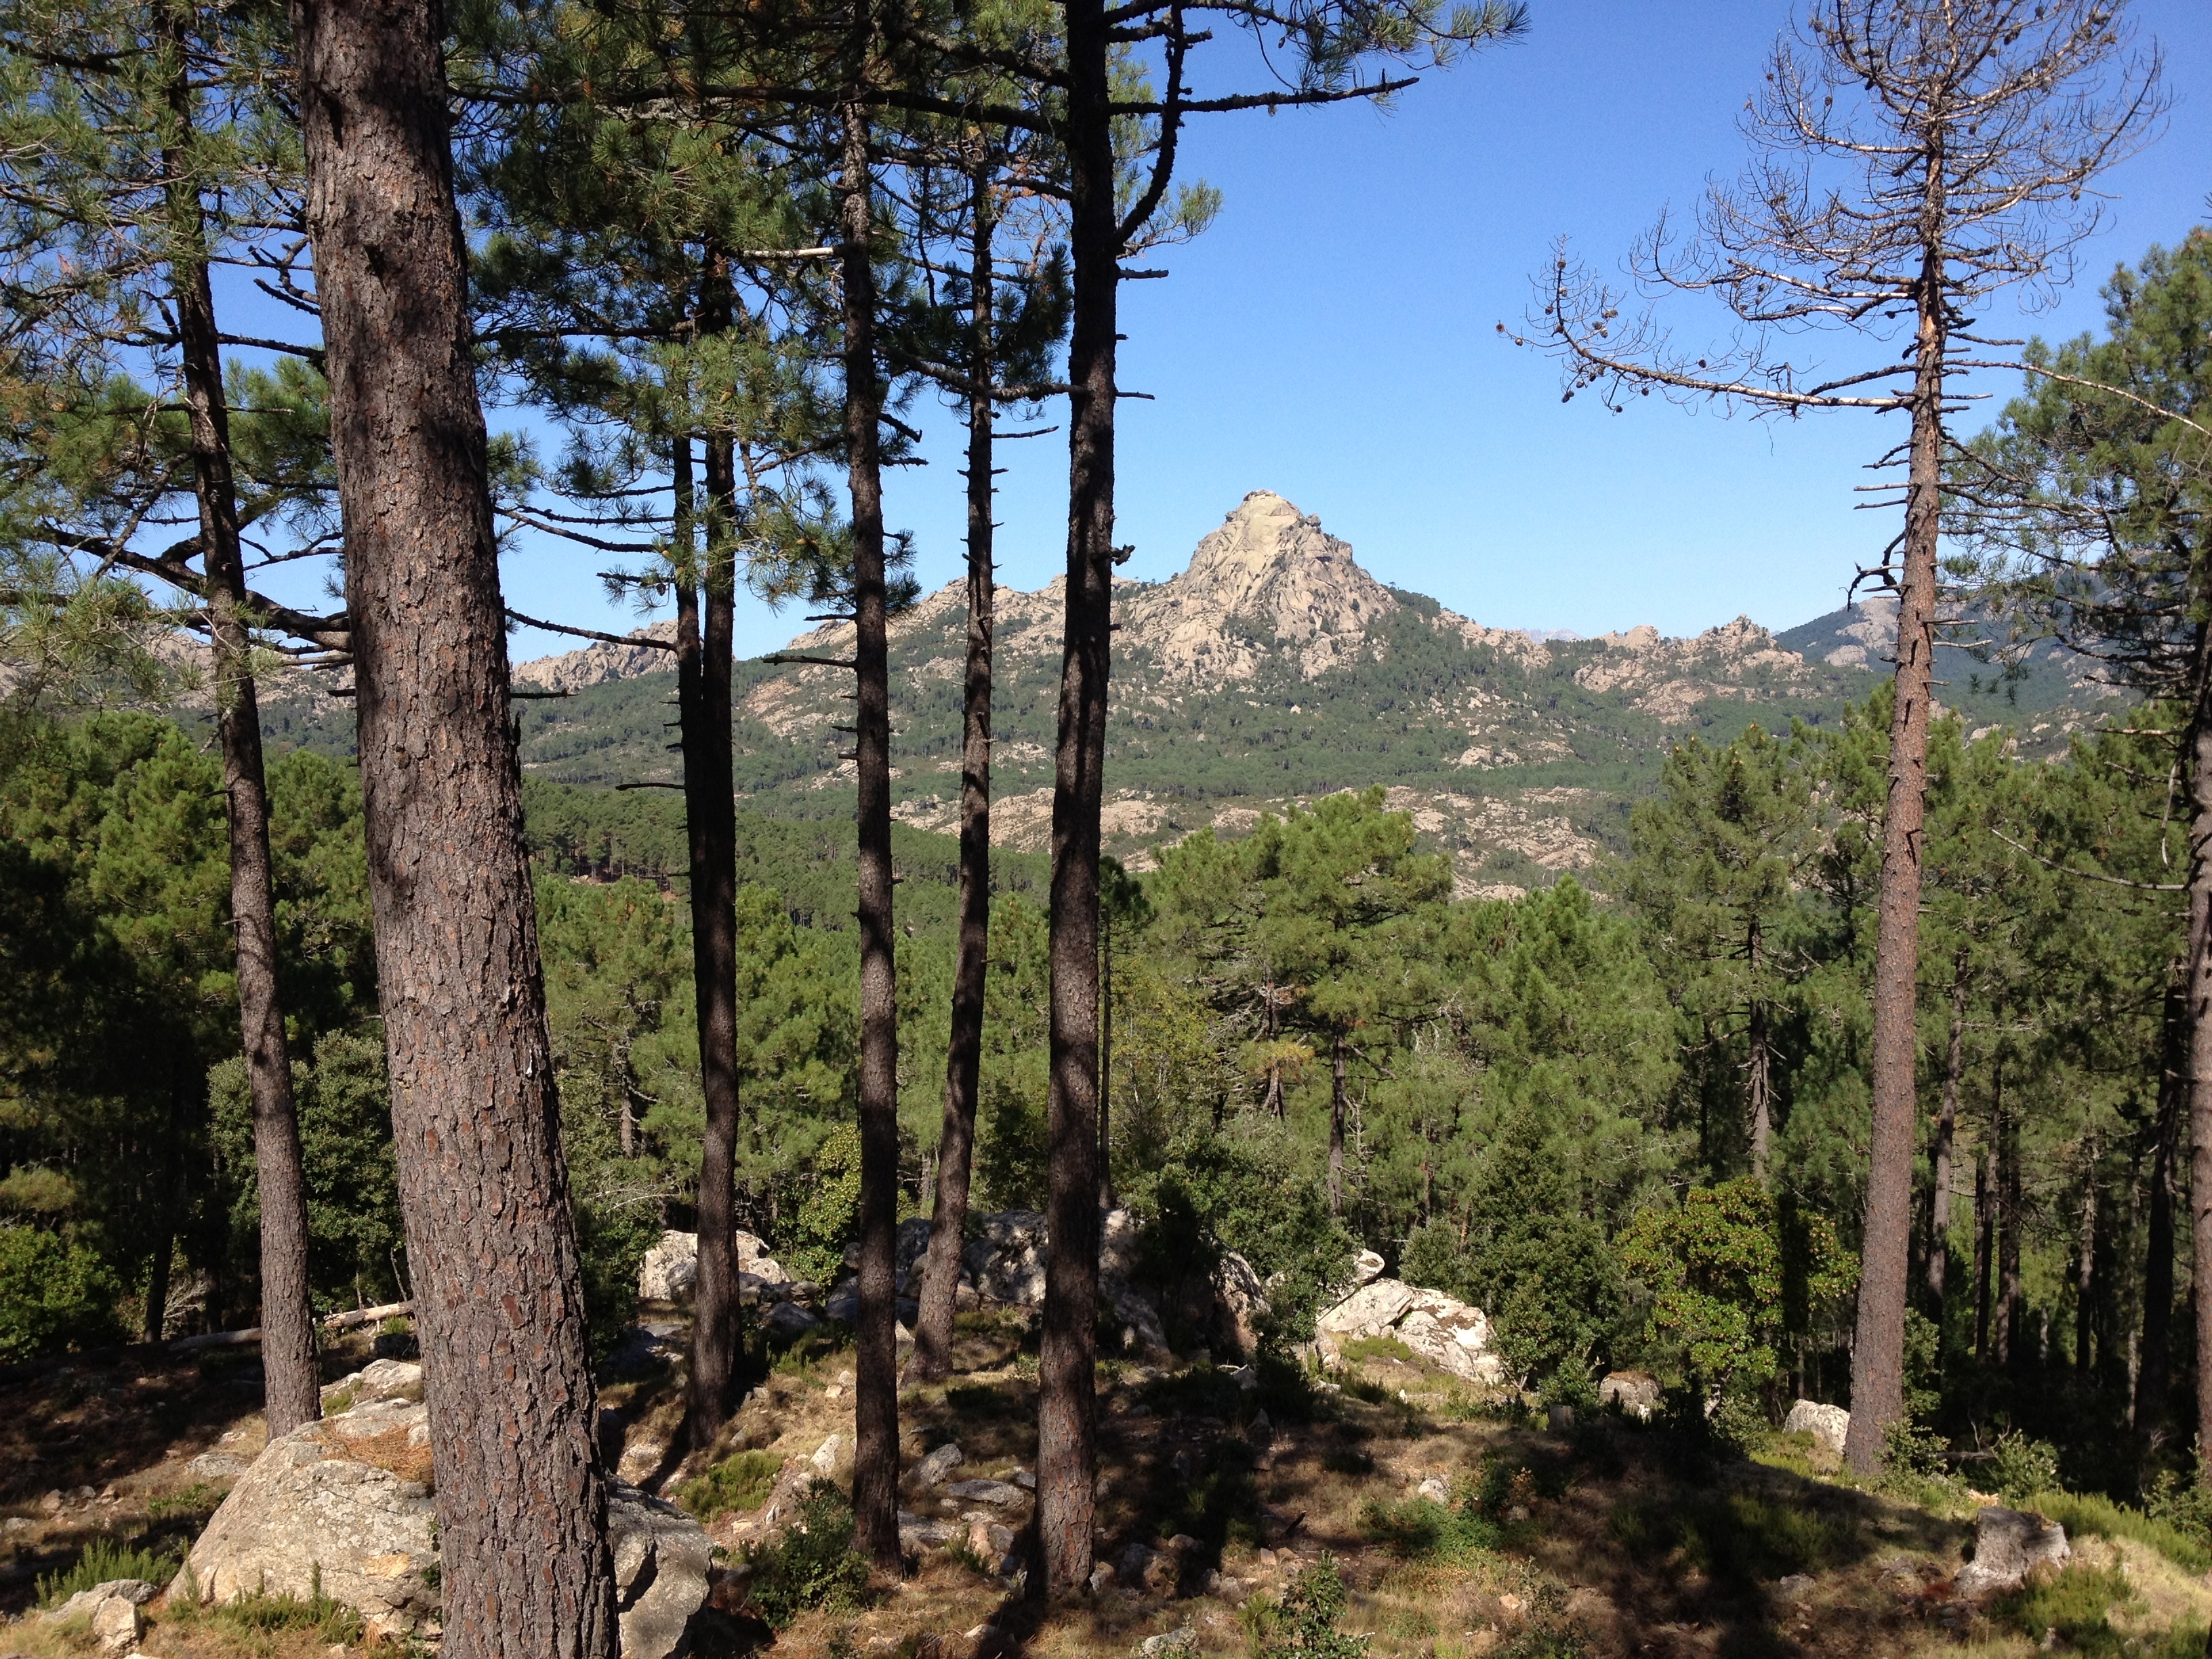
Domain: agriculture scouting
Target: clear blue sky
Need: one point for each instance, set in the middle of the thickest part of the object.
(1331, 338)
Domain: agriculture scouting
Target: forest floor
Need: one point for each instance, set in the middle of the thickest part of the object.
(1606, 1538)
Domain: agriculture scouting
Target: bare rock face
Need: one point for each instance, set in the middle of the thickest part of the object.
(1274, 568)
(1006, 1258)
(1826, 1423)
(2009, 1544)
(644, 653)
(1442, 1329)
(110, 1612)
(346, 1503)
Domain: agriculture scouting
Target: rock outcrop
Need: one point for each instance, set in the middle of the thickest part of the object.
(670, 1272)
(346, 1504)
(1635, 1394)
(1442, 1329)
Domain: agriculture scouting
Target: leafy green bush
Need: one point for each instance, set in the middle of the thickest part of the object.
(105, 1558)
(2182, 1504)
(2020, 1467)
(811, 1237)
(813, 1565)
(742, 1482)
(54, 1294)
(1303, 1626)
(1714, 1270)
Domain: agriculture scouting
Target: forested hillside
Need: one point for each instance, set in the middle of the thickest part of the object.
(1274, 670)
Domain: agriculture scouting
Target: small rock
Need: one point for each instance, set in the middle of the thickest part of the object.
(1260, 1431)
(1222, 1587)
(996, 1492)
(932, 1469)
(51, 1504)
(1181, 1640)
(1101, 1577)
(1795, 1587)
(1509, 1602)
(788, 1321)
(1025, 1478)
(1366, 1267)
(216, 1466)
(1434, 1489)
(1515, 1514)
(825, 1456)
(117, 1624)
(1142, 1569)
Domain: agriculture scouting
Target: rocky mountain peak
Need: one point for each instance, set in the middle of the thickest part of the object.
(1296, 590)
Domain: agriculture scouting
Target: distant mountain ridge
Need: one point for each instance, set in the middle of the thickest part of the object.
(1272, 668)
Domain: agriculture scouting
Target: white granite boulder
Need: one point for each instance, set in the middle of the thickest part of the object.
(1826, 1423)
(1635, 1393)
(1441, 1329)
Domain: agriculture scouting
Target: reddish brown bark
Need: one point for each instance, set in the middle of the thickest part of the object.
(2154, 1371)
(703, 668)
(292, 1385)
(2198, 979)
(941, 1267)
(875, 1393)
(483, 1186)
(1947, 1127)
(1878, 1351)
(1067, 1449)
(1336, 1124)
(1758, 1067)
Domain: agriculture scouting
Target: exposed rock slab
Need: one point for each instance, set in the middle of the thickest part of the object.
(1440, 1328)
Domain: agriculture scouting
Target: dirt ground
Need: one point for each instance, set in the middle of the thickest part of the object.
(1603, 1538)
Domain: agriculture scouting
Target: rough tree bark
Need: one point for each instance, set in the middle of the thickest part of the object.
(1067, 1449)
(1336, 1124)
(964, 1054)
(1878, 1350)
(2154, 1371)
(703, 663)
(2085, 1269)
(875, 1394)
(1759, 1071)
(292, 1385)
(483, 1188)
(2197, 759)
(2009, 1214)
(1939, 1155)
(1985, 1240)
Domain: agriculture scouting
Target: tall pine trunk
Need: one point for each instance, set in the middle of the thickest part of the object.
(2197, 760)
(483, 1188)
(1336, 1123)
(963, 1053)
(1878, 1351)
(703, 663)
(1939, 1154)
(1985, 1240)
(292, 1384)
(875, 1394)
(2154, 1355)
(2008, 1215)
(1067, 1445)
(1759, 1067)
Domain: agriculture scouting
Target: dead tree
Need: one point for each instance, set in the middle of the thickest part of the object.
(1909, 159)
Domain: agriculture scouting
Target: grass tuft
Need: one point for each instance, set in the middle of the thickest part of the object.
(105, 1558)
(2098, 1517)
(742, 1482)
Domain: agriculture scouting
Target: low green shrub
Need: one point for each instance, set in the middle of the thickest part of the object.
(2072, 1610)
(105, 1558)
(813, 1565)
(262, 1614)
(1377, 1347)
(1736, 1538)
(2020, 1467)
(2098, 1517)
(1422, 1529)
(1303, 1625)
(742, 1482)
(198, 1498)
